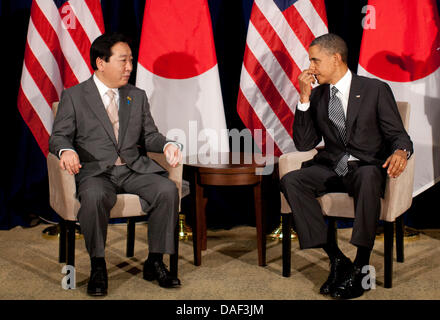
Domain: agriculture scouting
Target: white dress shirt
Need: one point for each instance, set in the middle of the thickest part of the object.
(102, 89)
(343, 86)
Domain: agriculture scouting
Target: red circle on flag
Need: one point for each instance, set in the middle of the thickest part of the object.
(404, 45)
(177, 41)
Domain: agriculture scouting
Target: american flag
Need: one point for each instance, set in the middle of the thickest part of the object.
(279, 34)
(56, 56)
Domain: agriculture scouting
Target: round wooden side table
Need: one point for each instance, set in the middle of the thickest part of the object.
(228, 169)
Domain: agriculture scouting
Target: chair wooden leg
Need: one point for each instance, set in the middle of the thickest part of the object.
(131, 231)
(62, 241)
(71, 226)
(174, 258)
(286, 220)
(388, 256)
(400, 227)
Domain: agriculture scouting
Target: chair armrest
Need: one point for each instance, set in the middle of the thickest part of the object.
(398, 193)
(62, 190)
(62, 187)
(175, 174)
(293, 160)
(289, 162)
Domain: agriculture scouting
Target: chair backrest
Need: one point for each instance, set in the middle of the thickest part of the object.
(55, 108)
(404, 110)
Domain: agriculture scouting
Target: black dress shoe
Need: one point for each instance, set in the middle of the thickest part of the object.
(338, 270)
(157, 271)
(97, 285)
(351, 286)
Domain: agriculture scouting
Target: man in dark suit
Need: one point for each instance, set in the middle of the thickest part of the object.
(364, 140)
(97, 131)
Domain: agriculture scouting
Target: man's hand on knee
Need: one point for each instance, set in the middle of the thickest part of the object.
(69, 161)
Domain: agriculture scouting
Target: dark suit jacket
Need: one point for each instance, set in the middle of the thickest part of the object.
(374, 126)
(82, 124)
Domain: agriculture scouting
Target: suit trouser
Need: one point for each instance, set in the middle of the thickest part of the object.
(364, 183)
(97, 196)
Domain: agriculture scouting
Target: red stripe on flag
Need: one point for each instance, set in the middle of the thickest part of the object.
(319, 6)
(268, 90)
(33, 121)
(42, 80)
(50, 37)
(275, 44)
(299, 26)
(79, 36)
(40, 77)
(251, 120)
(95, 9)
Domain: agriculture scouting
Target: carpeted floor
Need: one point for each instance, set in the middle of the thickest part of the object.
(29, 268)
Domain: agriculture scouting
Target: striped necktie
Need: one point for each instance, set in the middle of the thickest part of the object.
(337, 117)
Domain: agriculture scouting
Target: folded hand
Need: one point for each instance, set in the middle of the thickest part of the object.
(173, 155)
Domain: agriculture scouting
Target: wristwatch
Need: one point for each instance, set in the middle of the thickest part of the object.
(408, 153)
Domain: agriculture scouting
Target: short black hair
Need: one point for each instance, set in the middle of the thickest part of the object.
(102, 47)
(333, 44)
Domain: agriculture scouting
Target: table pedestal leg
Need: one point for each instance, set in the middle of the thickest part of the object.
(199, 230)
(259, 221)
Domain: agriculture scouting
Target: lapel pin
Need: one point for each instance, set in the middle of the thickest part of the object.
(358, 96)
(128, 100)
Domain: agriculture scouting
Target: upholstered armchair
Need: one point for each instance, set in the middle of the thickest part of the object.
(62, 190)
(397, 199)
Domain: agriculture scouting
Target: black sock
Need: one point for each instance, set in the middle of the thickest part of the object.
(362, 257)
(153, 256)
(333, 251)
(97, 262)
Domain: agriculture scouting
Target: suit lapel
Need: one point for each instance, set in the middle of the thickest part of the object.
(354, 103)
(124, 112)
(324, 102)
(323, 107)
(95, 104)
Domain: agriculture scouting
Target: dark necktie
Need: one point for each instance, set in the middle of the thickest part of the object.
(337, 117)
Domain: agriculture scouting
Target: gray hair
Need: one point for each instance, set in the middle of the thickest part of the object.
(332, 43)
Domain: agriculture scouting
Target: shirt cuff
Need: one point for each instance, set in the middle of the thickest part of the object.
(303, 106)
(177, 144)
(61, 151)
